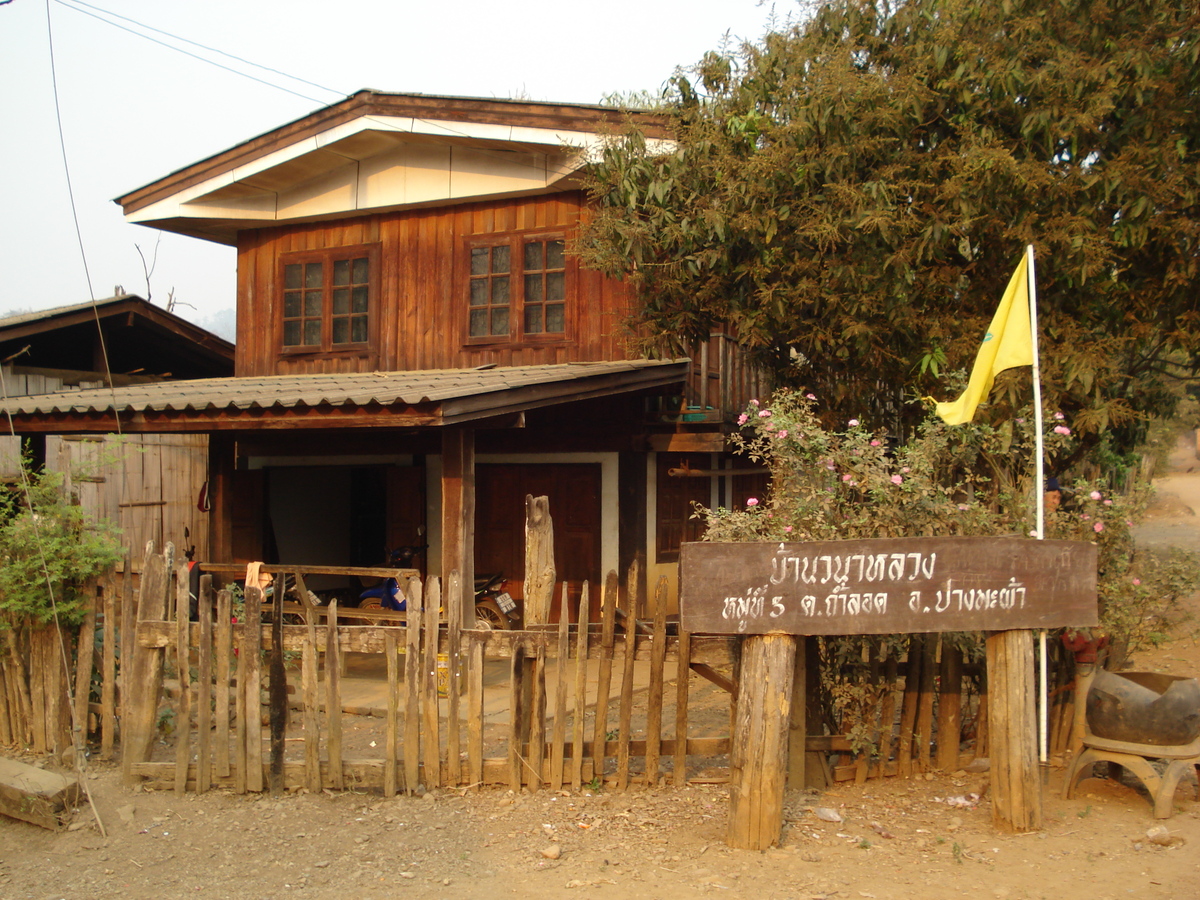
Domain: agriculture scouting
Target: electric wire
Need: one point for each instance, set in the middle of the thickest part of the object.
(249, 62)
(192, 55)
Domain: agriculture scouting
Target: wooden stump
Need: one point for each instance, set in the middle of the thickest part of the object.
(539, 560)
(1012, 727)
(758, 758)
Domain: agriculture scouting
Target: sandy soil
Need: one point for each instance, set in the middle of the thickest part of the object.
(922, 838)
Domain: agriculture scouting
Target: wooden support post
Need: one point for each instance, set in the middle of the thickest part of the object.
(277, 696)
(251, 686)
(454, 675)
(333, 698)
(183, 712)
(949, 717)
(204, 705)
(578, 775)
(798, 720)
(145, 664)
(758, 757)
(1016, 787)
(458, 511)
(539, 560)
(83, 672)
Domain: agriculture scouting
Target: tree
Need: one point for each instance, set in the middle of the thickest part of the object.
(851, 195)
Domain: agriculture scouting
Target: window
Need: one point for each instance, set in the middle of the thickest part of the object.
(327, 299)
(518, 289)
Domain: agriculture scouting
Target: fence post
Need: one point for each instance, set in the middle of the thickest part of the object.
(146, 663)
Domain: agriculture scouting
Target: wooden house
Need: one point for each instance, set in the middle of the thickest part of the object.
(151, 485)
(418, 349)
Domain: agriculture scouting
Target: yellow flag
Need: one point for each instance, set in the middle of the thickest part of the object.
(1008, 343)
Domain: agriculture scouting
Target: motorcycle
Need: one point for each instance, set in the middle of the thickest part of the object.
(495, 609)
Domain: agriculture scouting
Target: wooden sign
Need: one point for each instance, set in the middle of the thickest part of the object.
(879, 586)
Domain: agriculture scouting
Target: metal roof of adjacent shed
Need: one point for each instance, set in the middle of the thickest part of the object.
(473, 392)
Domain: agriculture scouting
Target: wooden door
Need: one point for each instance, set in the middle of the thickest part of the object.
(574, 492)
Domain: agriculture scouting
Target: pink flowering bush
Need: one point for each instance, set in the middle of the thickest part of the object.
(836, 484)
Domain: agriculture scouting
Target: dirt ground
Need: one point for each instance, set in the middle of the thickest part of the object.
(926, 838)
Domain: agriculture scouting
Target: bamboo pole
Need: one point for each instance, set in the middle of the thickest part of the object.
(429, 705)
(222, 687)
(108, 669)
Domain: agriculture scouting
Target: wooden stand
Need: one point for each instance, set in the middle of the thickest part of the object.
(759, 756)
(1016, 788)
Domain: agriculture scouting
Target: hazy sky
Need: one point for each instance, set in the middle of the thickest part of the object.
(133, 111)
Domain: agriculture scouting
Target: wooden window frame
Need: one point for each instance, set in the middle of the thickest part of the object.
(327, 257)
(516, 336)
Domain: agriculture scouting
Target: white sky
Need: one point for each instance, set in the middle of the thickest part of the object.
(133, 111)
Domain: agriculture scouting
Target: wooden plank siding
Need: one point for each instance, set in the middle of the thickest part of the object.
(420, 311)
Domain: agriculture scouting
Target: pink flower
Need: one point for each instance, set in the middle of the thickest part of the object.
(962, 507)
(1098, 527)
(1108, 503)
(853, 423)
(811, 396)
(753, 501)
(1033, 533)
(847, 477)
(905, 470)
(896, 479)
(1059, 416)
(788, 529)
(743, 419)
(764, 413)
(1061, 429)
(1095, 495)
(754, 403)
(874, 443)
(1136, 582)
(1085, 517)
(782, 433)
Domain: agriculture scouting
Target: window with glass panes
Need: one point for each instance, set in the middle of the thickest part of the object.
(326, 299)
(518, 288)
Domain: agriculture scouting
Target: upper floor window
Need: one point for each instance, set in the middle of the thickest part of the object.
(518, 288)
(327, 298)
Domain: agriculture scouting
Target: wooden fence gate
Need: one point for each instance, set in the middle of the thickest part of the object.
(566, 694)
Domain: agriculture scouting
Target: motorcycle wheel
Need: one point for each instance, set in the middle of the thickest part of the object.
(488, 616)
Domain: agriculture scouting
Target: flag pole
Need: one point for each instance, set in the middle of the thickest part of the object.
(1039, 492)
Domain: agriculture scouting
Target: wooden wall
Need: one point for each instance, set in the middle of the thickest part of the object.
(422, 304)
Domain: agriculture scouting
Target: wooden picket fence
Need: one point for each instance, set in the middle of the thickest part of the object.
(578, 701)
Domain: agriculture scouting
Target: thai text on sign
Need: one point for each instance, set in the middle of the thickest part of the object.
(887, 585)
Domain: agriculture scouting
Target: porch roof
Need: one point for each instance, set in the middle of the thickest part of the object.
(427, 398)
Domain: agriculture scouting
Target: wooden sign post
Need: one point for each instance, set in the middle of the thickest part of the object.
(772, 592)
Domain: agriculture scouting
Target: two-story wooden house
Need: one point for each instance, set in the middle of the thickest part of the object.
(417, 349)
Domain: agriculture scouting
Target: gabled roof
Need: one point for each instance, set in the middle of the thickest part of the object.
(376, 151)
(351, 400)
(135, 335)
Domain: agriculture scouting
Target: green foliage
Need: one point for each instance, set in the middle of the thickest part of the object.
(853, 193)
(850, 482)
(48, 550)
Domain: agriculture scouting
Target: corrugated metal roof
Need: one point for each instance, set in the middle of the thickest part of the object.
(282, 392)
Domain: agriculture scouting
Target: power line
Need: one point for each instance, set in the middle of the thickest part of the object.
(206, 47)
(197, 56)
